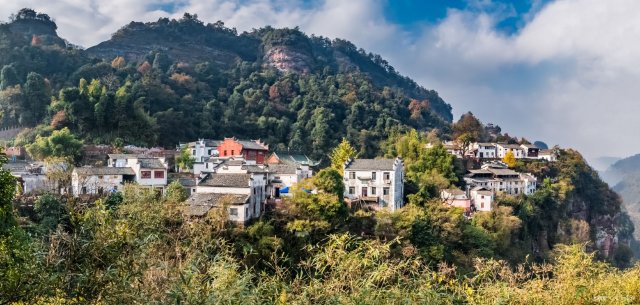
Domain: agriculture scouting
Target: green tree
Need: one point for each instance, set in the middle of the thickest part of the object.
(7, 191)
(329, 180)
(8, 77)
(343, 152)
(185, 160)
(36, 99)
(60, 144)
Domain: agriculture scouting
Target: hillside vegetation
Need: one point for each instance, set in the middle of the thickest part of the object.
(175, 80)
(168, 81)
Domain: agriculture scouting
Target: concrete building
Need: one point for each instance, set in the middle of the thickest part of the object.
(376, 181)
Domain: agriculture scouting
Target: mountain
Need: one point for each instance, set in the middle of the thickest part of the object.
(189, 40)
(168, 81)
(624, 175)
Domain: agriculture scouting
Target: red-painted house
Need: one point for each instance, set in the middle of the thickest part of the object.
(250, 150)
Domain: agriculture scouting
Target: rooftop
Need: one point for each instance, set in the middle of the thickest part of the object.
(93, 171)
(125, 156)
(226, 180)
(201, 203)
(371, 164)
(294, 157)
(283, 169)
(151, 163)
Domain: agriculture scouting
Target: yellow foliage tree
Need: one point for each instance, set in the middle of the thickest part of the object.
(509, 159)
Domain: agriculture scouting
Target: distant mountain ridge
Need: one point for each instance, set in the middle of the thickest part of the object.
(289, 50)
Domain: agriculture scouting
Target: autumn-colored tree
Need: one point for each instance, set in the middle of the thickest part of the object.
(343, 152)
(509, 159)
(118, 62)
(144, 68)
(467, 130)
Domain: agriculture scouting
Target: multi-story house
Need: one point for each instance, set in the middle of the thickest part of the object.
(530, 151)
(501, 180)
(481, 198)
(251, 186)
(99, 180)
(202, 149)
(457, 198)
(149, 171)
(250, 150)
(485, 150)
(377, 181)
(283, 176)
(516, 149)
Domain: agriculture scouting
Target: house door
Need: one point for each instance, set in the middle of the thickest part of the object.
(481, 155)
(277, 192)
(364, 191)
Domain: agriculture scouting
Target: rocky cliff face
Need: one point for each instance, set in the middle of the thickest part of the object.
(286, 59)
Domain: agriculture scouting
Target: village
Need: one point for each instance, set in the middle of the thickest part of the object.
(247, 178)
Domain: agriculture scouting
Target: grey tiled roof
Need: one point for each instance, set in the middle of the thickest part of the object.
(252, 168)
(371, 164)
(88, 171)
(226, 180)
(184, 181)
(251, 145)
(125, 156)
(455, 191)
(283, 169)
(151, 163)
(512, 146)
(201, 203)
(294, 158)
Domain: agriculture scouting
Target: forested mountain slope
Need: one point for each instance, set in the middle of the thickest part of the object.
(175, 80)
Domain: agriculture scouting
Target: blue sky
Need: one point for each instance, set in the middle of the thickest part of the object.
(561, 71)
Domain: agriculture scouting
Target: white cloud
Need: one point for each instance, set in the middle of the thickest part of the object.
(568, 76)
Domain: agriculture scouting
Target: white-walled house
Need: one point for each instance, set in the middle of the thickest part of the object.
(375, 180)
(202, 149)
(149, 171)
(485, 150)
(547, 154)
(481, 198)
(501, 180)
(530, 183)
(457, 198)
(237, 205)
(249, 184)
(283, 176)
(99, 180)
(502, 149)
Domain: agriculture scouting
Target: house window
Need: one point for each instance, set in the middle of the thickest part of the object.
(352, 190)
(145, 174)
(100, 177)
(352, 175)
(233, 211)
(386, 176)
(84, 189)
(225, 152)
(233, 152)
(246, 212)
(373, 175)
(385, 191)
(158, 174)
(482, 196)
(373, 191)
